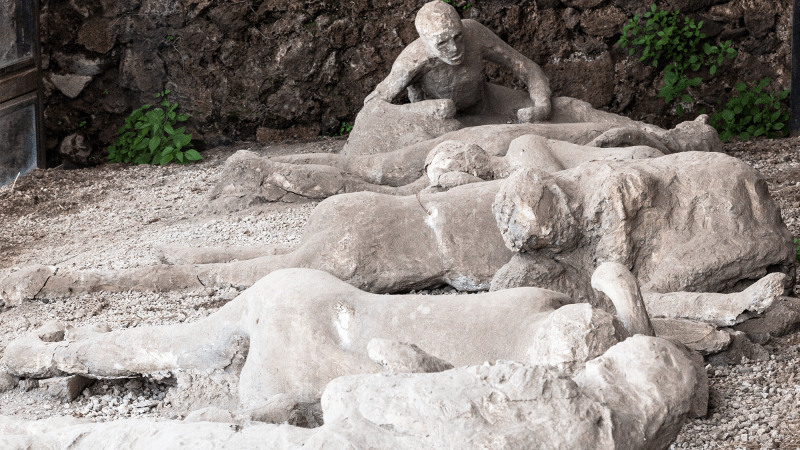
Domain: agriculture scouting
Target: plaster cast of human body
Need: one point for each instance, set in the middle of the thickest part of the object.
(446, 62)
(646, 214)
(442, 71)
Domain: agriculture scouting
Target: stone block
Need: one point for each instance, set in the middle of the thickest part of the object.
(65, 389)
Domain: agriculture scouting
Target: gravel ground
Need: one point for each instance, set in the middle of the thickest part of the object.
(113, 216)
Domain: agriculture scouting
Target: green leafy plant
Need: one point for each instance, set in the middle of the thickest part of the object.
(676, 47)
(345, 128)
(752, 113)
(797, 249)
(453, 2)
(149, 136)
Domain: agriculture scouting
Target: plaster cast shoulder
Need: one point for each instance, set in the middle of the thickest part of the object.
(412, 63)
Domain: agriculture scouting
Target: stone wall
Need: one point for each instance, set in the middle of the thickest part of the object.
(281, 68)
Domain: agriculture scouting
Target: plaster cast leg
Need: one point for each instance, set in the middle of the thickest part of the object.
(719, 309)
(619, 284)
(249, 179)
(207, 345)
(178, 254)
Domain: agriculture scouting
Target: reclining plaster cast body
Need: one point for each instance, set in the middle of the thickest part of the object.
(484, 407)
(450, 101)
(657, 216)
(303, 328)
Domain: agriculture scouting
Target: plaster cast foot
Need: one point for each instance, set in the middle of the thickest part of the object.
(760, 295)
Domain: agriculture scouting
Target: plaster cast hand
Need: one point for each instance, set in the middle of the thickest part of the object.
(438, 109)
(533, 114)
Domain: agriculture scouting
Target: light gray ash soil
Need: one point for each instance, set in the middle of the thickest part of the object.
(112, 216)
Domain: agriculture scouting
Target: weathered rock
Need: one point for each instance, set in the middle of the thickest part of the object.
(81, 64)
(28, 384)
(97, 35)
(693, 5)
(209, 414)
(781, 318)
(65, 389)
(52, 331)
(76, 148)
(142, 70)
(402, 357)
(71, 85)
(7, 381)
(589, 79)
(698, 336)
(603, 22)
(25, 283)
(740, 347)
(583, 4)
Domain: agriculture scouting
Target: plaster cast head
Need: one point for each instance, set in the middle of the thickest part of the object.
(534, 213)
(439, 27)
(694, 136)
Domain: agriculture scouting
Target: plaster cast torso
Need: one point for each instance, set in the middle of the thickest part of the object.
(463, 83)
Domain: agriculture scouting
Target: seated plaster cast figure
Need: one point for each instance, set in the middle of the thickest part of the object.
(446, 62)
(442, 71)
(692, 221)
(306, 327)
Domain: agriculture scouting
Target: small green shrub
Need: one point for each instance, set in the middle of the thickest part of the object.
(752, 113)
(677, 48)
(345, 128)
(150, 137)
(797, 249)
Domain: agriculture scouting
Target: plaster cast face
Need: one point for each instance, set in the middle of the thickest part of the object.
(448, 45)
(439, 27)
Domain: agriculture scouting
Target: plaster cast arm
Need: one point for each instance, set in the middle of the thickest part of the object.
(406, 68)
(495, 50)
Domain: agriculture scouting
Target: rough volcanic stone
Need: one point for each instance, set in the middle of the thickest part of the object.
(71, 85)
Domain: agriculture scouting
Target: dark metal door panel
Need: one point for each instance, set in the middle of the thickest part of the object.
(18, 140)
(20, 105)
